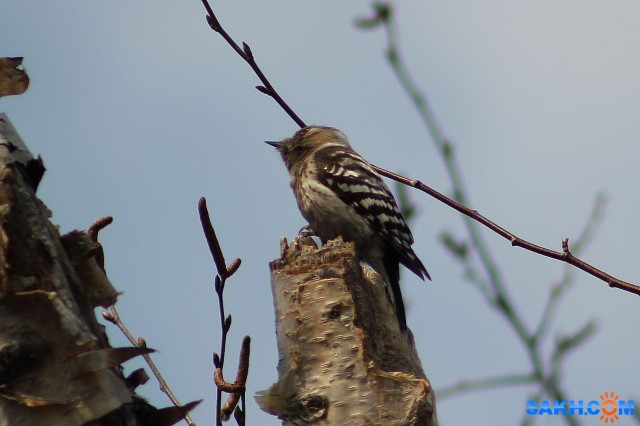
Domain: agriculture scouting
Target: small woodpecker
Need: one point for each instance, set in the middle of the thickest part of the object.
(340, 194)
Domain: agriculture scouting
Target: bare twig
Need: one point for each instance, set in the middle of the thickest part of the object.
(561, 286)
(241, 375)
(445, 147)
(113, 317)
(93, 231)
(138, 377)
(212, 240)
(237, 389)
(494, 290)
(558, 289)
(97, 226)
(485, 383)
(246, 54)
(565, 255)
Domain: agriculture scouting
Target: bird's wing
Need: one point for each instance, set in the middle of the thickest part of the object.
(355, 182)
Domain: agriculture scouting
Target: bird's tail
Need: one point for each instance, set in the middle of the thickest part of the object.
(392, 268)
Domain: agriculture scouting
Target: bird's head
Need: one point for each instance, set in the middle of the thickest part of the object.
(306, 141)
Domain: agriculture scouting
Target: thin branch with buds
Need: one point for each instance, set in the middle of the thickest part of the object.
(546, 375)
(565, 255)
(236, 389)
(113, 317)
(246, 54)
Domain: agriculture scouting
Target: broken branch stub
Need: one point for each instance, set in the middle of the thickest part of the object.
(343, 358)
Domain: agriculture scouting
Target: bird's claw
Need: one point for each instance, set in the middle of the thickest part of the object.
(306, 231)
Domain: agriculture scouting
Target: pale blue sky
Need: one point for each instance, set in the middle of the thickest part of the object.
(138, 109)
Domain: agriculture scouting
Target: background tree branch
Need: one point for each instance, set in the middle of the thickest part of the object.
(446, 149)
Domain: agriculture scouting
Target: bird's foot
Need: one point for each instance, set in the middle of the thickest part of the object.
(306, 231)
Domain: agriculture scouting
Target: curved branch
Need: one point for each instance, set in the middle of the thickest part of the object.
(246, 54)
(564, 255)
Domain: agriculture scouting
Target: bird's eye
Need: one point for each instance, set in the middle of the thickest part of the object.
(302, 132)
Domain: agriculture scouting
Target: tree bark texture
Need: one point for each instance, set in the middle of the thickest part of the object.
(343, 358)
(56, 367)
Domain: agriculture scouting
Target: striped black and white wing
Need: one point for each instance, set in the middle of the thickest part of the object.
(356, 184)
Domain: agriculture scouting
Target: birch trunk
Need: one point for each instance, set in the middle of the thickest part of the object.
(56, 366)
(343, 358)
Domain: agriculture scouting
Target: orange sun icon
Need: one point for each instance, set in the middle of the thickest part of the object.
(609, 407)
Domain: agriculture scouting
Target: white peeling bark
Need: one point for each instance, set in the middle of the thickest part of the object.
(343, 358)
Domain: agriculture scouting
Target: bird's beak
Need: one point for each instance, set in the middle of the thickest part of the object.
(274, 144)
